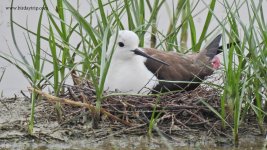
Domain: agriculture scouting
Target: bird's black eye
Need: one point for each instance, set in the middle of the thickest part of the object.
(121, 44)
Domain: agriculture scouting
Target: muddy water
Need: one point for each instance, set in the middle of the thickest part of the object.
(14, 115)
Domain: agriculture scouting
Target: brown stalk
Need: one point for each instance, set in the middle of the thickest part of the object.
(54, 99)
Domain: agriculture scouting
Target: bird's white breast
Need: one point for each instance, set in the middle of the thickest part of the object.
(130, 76)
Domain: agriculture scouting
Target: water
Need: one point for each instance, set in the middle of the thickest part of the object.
(13, 81)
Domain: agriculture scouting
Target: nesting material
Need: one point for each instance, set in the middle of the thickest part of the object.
(172, 112)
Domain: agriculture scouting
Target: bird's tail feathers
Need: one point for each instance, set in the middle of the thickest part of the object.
(213, 47)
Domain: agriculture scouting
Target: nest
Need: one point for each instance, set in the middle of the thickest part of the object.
(170, 114)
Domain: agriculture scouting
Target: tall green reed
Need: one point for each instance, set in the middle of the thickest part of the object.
(245, 65)
(32, 73)
(244, 82)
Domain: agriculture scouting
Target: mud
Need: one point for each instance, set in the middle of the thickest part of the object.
(77, 132)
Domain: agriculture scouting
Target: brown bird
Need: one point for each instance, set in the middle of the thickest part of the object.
(145, 70)
(183, 67)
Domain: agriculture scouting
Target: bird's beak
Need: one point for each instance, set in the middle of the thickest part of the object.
(141, 53)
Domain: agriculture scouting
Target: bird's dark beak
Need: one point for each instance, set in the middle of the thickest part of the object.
(141, 53)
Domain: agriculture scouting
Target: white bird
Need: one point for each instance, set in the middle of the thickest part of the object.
(127, 71)
(141, 70)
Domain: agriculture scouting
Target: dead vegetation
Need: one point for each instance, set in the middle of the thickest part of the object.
(177, 115)
(174, 113)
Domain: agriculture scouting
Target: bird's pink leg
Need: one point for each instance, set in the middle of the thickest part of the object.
(215, 62)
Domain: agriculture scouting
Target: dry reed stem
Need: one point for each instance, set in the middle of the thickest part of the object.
(54, 99)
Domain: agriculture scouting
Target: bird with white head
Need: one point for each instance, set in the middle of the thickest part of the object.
(138, 70)
(127, 72)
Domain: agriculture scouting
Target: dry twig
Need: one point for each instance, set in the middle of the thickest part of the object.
(74, 103)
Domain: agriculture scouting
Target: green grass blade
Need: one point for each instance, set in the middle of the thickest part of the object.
(14, 36)
(131, 24)
(206, 25)
(55, 60)
(36, 74)
(215, 112)
(88, 28)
